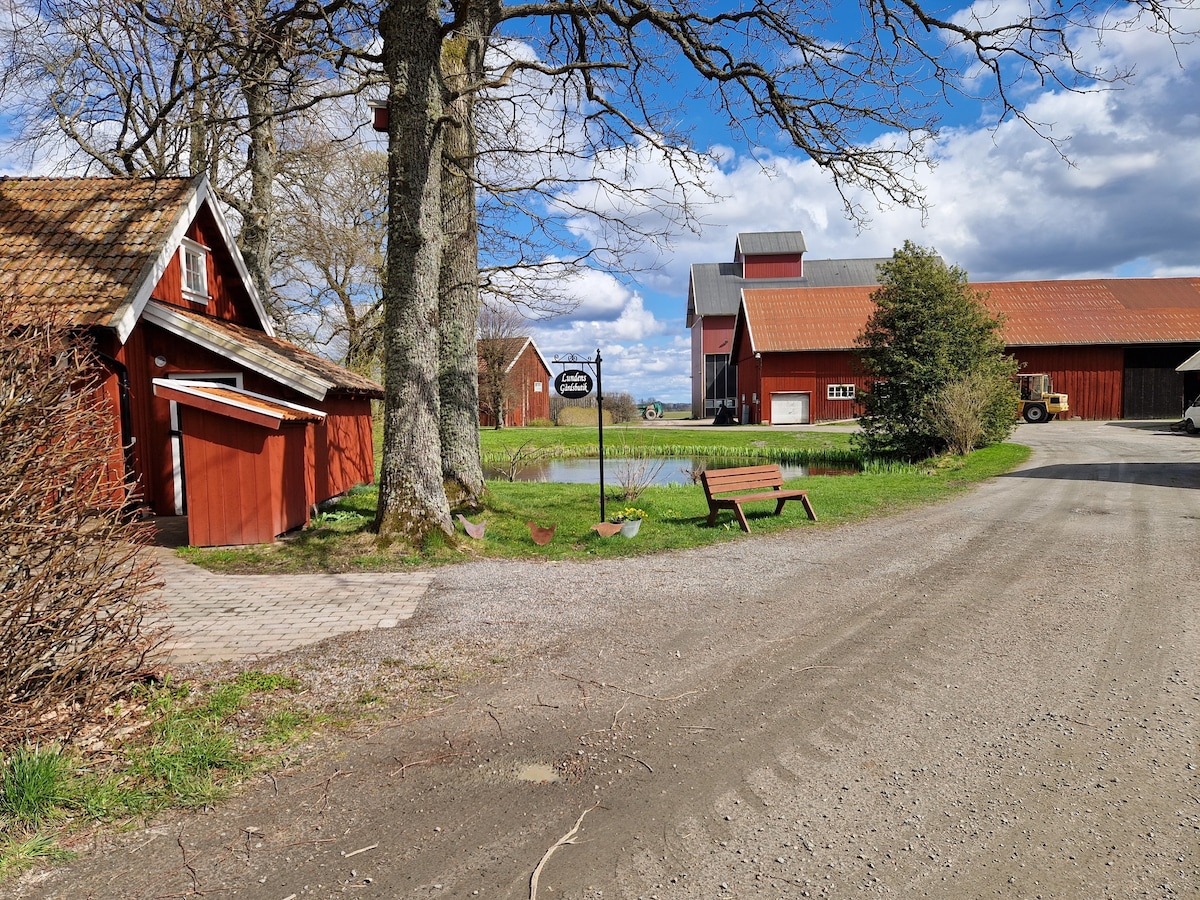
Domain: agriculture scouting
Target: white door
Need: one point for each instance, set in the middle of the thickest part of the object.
(789, 409)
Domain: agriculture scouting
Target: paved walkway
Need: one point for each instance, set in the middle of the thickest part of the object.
(230, 617)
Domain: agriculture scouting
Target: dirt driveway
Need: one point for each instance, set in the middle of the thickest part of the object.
(994, 697)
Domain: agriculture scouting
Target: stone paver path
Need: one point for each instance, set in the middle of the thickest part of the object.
(231, 617)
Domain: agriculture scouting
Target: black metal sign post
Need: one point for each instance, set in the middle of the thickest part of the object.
(575, 384)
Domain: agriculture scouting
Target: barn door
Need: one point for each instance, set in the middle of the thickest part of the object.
(790, 408)
(231, 379)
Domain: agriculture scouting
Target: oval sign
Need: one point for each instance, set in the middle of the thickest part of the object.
(573, 383)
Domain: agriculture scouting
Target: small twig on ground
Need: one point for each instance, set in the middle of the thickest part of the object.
(697, 727)
(547, 705)
(358, 851)
(617, 687)
(324, 782)
(422, 762)
(568, 838)
(497, 721)
(640, 762)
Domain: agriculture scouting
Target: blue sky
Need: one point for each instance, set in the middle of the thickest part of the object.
(1003, 203)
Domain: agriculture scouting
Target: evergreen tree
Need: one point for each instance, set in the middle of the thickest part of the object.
(931, 338)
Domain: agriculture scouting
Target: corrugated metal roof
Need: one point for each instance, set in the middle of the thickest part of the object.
(716, 288)
(80, 244)
(1036, 313)
(754, 243)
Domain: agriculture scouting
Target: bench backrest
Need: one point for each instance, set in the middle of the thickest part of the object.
(745, 478)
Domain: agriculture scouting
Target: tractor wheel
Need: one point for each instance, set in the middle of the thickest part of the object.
(650, 413)
(1035, 412)
(1190, 427)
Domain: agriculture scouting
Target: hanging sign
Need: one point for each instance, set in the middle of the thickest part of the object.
(573, 383)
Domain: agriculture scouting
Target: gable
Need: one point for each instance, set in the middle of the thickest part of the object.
(95, 249)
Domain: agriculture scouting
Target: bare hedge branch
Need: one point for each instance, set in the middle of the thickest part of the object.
(75, 582)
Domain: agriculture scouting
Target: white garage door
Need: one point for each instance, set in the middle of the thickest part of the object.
(789, 409)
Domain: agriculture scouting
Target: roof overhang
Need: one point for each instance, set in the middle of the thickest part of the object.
(1191, 364)
(200, 196)
(268, 364)
(235, 403)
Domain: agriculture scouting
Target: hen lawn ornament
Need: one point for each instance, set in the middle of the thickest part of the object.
(472, 530)
(606, 529)
(541, 536)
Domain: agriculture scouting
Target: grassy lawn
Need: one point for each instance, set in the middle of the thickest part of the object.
(341, 540)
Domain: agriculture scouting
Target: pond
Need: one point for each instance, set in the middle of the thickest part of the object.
(665, 470)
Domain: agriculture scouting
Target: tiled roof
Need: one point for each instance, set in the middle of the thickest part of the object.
(506, 348)
(286, 357)
(82, 244)
(510, 349)
(1036, 313)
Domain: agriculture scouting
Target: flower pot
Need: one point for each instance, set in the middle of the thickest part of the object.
(630, 528)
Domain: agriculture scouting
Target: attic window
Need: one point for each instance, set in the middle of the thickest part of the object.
(193, 258)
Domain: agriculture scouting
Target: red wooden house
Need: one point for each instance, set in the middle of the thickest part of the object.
(1112, 345)
(219, 420)
(526, 380)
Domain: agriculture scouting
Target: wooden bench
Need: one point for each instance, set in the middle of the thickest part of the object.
(751, 483)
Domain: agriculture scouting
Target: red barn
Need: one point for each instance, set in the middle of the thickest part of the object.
(516, 368)
(1112, 345)
(219, 420)
(768, 260)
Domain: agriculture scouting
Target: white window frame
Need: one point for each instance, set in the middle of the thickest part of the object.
(189, 249)
(841, 391)
(537, 387)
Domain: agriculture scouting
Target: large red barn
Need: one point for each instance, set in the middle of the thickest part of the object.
(1112, 345)
(218, 419)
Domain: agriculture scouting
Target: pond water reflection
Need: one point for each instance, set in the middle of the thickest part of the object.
(671, 470)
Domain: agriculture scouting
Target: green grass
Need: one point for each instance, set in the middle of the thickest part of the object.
(33, 785)
(197, 744)
(635, 440)
(676, 514)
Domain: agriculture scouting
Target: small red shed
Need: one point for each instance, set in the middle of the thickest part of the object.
(525, 380)
(150, 270)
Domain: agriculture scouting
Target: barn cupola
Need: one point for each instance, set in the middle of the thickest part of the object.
(770, 254)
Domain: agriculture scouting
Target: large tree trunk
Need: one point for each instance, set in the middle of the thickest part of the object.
(412, 500)
(262, 158)
(458, 378)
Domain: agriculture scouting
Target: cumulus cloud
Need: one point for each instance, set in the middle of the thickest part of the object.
(1116, 197)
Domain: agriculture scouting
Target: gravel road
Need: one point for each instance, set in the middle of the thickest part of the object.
(997, 696)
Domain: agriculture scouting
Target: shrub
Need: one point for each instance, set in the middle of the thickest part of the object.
(75, 580)
(971, 412)
(582, 415)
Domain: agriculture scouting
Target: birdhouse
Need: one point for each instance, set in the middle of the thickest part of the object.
(379, 109)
